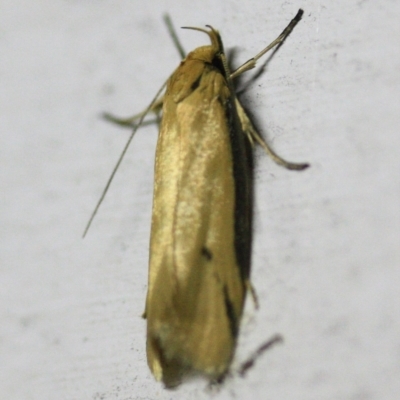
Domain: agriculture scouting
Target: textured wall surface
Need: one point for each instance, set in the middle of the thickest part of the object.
(326, 259)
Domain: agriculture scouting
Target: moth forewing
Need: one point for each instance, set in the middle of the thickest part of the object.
(199, 249)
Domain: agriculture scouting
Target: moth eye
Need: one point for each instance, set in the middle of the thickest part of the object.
(195, 84)
(206, 253)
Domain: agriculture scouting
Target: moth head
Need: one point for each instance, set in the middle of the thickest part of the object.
(207, 53)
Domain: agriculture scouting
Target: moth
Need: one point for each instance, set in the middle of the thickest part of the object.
(200, 243)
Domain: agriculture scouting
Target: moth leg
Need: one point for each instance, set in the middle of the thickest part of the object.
(253, 135)
(250, 64)
(130, 122)
(253, 293)
(249, 363)
(155, 106)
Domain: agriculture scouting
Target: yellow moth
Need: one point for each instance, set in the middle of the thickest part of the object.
(202, 208)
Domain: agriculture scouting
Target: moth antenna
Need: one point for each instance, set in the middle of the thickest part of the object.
(110, 179)
(174, 36)
(249, 64)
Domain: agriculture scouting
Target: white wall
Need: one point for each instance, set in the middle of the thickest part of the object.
(326, 247)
